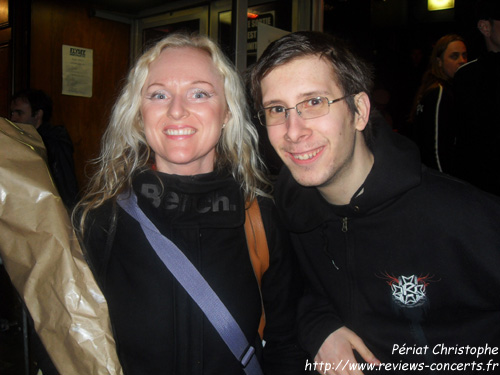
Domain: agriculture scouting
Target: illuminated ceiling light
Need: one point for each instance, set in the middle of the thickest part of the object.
(252, 15)
(440, 4)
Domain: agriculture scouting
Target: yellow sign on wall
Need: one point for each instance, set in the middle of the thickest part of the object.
(440, 4)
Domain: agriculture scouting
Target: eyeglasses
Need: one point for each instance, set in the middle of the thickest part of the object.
(307, 109)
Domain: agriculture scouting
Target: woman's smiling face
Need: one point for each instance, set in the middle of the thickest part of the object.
(183, 109)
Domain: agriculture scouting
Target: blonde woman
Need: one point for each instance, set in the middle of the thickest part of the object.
(181, 141)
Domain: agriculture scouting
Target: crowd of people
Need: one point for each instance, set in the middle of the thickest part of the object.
(373, 243)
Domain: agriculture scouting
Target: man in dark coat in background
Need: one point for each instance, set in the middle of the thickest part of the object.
(477, 95)
(35, 107)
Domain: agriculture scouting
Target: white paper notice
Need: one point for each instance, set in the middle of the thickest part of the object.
(77, 67)
(266, 35)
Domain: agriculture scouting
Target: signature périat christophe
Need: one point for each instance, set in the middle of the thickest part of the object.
(442, 349)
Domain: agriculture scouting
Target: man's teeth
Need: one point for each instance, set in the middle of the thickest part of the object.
(180, 131)
(306, 156)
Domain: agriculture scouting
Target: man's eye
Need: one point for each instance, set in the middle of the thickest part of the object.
(314, 102)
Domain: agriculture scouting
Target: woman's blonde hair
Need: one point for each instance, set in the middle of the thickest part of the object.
(124, 150)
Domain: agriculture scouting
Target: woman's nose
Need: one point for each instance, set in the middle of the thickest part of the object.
(177, 108)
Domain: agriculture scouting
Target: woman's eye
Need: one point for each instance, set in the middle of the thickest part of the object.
(200, 94)
(277, 110)
(158, 95)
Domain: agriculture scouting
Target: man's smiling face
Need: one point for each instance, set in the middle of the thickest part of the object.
(317, 151)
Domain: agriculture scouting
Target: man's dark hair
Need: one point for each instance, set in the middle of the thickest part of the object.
(350, 72)
(37, 100)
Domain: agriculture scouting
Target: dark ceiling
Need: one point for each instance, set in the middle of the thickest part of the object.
(130, 7)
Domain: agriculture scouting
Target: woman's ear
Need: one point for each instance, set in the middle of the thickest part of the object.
(227, 117)
(363, 106)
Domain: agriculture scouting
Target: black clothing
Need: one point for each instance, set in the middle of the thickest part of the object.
(477, 94)
(59, 149)
(157, 327)
(413, 259)
(435, 128)
(60, 160)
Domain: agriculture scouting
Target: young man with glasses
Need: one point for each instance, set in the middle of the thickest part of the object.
(401, 261)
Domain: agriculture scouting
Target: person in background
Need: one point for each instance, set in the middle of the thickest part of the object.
(397, 256)
(180, 139)
(34, 107)
(477, 94)
(434, 116)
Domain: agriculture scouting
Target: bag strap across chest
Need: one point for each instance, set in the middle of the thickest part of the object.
(196, 286)
(257, 249)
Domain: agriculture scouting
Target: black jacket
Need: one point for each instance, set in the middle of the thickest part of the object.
(477, 95)
(435, 129)
(157, 327)
(60, 160)
(413, 260)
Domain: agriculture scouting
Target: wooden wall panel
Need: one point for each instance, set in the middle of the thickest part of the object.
(58, 22)
(5, 62)
(5, 83)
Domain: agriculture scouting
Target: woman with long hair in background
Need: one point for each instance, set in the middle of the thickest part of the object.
(433, 113)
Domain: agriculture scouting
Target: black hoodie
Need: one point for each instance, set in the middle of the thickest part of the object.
(413, 260)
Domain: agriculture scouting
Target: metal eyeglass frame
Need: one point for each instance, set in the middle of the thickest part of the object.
(261, 114)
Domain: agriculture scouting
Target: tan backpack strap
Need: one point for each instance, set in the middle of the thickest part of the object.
(257, 248)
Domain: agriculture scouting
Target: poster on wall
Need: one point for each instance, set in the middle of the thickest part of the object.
(252, 29)
(77, 69)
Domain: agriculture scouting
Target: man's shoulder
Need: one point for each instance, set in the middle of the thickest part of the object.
(469, 65)
(56, 131)
(447, 190)
(54, 136)
(481, 68)
(469, 70)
